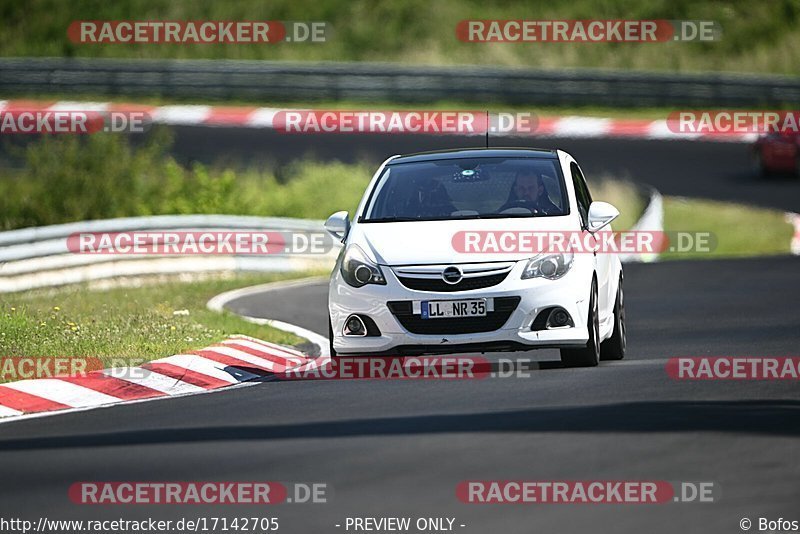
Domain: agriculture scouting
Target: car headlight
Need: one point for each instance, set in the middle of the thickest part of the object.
(550, 266)
(358, 270)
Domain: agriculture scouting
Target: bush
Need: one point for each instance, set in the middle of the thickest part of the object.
(74, 178)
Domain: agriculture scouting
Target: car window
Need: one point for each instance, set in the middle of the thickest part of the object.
(582, 195)
(468, 188)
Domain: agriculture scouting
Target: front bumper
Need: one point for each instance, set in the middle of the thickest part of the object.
(570, 292)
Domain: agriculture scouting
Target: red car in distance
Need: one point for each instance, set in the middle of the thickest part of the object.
(777, 153)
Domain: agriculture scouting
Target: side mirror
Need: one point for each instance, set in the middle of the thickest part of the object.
(338, 225)
(600, 215)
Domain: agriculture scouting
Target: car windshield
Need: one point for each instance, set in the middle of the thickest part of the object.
(474, 188)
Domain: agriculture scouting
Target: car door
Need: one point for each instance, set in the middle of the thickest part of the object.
(602, 261)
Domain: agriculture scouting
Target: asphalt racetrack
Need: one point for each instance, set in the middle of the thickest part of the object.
(707, 169)
(400, 447)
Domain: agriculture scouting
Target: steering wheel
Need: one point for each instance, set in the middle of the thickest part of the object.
(521, 203)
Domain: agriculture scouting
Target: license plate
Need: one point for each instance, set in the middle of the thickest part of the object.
(441, 309)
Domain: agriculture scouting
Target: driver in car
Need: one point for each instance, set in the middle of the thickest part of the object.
(528, 192)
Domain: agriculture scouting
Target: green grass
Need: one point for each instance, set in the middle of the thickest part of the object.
(132, 324)
(762, 37)
(624, 195)
(739, 230)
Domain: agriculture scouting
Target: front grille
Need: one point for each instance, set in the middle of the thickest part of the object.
(439, 285)
(503, 308)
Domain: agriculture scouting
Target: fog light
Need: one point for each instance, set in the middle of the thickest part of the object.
(354, 326)
(559, 318)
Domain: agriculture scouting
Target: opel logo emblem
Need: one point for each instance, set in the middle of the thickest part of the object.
(452, 275)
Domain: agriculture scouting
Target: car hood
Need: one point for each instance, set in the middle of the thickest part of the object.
(432, 242)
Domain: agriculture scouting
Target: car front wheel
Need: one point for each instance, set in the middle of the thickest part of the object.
(589, 356)
(330, 338)
(613, 348)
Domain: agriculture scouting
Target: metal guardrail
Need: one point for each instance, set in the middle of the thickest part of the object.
(225, 79)
(39, 257)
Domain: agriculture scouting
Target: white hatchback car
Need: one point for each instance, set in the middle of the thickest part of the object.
(403, 286)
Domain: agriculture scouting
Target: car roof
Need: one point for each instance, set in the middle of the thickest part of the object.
(538, 153)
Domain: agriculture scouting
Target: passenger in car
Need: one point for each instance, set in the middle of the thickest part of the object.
(528, 192)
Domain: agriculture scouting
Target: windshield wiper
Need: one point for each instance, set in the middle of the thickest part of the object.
(394, 219)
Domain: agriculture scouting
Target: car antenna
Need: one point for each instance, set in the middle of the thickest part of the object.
(488, 124)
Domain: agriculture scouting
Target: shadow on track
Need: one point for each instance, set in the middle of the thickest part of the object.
(781, 418)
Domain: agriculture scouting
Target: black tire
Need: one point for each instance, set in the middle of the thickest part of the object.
(613, 348)
(758, 165)
(330, 338)
(589, 356)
